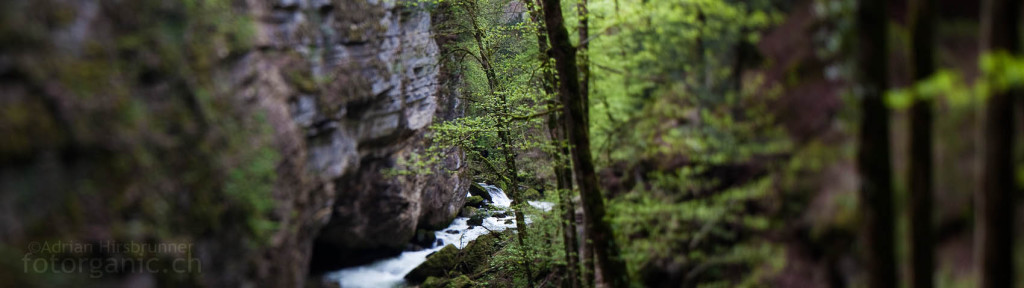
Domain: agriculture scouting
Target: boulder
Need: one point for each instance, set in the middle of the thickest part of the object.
(424, 238)
(467, 212)
(458, 282)
(476, 189)
(438, 264)
(476, 220)
(437, 282)
(475, 201)
(452, 261)
(477, 254)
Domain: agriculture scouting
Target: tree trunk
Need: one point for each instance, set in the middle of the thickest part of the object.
(874, 155)
(587, 272)
(583, 31)
(562, 167)
(506, 146)
(563, 176)
(922, 248)
(598, 230)
(584, 57)
(995, 199)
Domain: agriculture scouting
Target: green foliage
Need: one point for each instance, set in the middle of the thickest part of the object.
(509, 104)
(665, 92)
(643, 105)
(707, 236)
(1000, 71)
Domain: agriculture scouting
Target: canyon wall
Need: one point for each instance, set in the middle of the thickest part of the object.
(249, 129)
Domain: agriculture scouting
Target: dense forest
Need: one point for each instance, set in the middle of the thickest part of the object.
(512, 143)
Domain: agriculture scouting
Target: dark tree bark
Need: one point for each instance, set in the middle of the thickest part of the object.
(995, 199)
(583, 31)
(874, 155)
(599, 232)
(588, 263)
(562, 167)
(922, 249)
(584, 56)
(563, 175)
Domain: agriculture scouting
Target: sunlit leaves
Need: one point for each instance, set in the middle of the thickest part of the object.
(645, 51)
(1000, 71)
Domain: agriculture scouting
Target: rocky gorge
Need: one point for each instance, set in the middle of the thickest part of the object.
(261, 131)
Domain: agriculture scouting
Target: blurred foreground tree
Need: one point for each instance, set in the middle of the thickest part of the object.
(995, 202)
(874, 155)
(922, 250)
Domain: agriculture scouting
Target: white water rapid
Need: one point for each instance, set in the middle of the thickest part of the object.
(391, 272)
(498, 197)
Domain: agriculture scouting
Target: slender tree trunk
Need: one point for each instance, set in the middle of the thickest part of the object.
(563, 176)
(598, 230)
(874, 155)
(922, 249)
(583, 32)
(506, 144)
(562, 167)
(517, 198)
(569, 218)
(995, 199)
(584, 56)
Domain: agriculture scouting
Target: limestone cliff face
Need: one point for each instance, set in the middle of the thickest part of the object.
(385, 90)
(250, 128)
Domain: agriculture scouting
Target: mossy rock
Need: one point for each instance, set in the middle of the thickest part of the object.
(462, 281)
(476, 189)
(451, 261)
(478, 253)
(476, 220)
(475, 201)
(435, 282)
(438, 264)
(467, 212)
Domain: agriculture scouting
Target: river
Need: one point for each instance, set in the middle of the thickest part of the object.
(390, 272)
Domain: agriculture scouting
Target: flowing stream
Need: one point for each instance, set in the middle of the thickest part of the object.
(390, 272)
